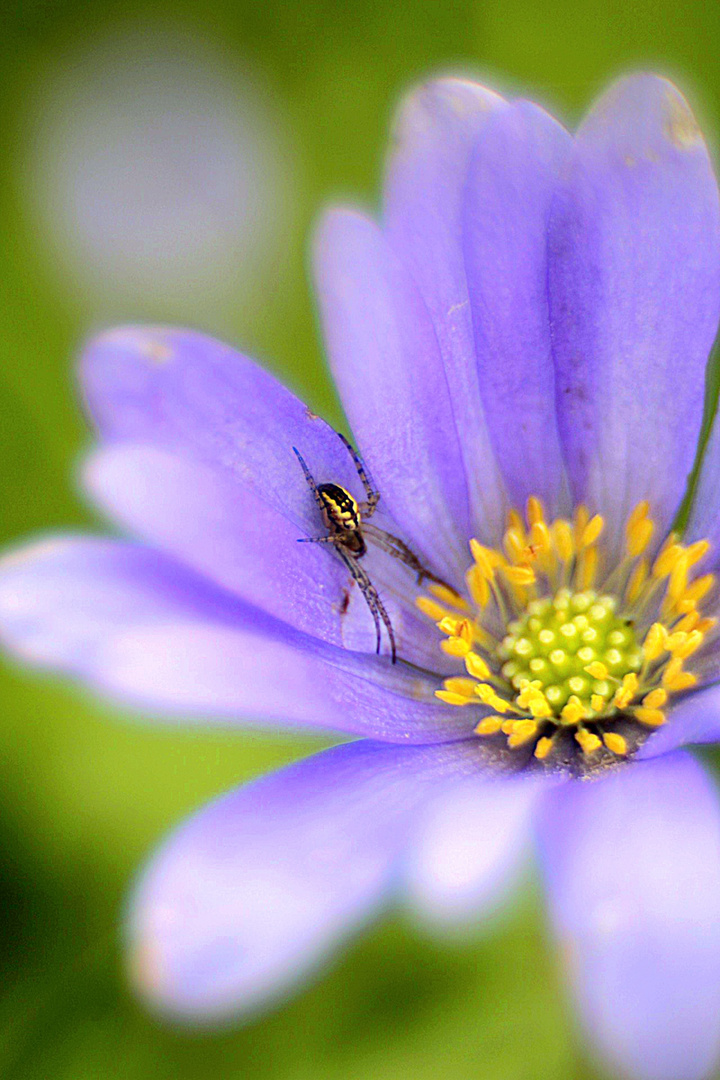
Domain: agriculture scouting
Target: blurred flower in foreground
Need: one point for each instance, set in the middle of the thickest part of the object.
(529, 328)
(158, 170)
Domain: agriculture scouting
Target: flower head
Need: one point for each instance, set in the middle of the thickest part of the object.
(521, 350)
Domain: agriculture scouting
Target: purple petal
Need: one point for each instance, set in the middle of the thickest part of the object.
(140, 629)
(223, 530)
(694, 719)
(634, 297)
(255, 891)
(187, 393)
(471, 846)
(437, 128)
(510, 187)
(633, 871)
(387, 365)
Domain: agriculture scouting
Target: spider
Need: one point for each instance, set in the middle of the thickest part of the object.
(348, 525)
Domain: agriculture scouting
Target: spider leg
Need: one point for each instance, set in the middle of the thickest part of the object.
(372, 494)
(373, 601)
(319, 540)
(396, 547)
(310, 479)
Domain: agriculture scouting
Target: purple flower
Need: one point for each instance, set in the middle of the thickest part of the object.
(528, 328)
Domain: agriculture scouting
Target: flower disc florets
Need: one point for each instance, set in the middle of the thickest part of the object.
(547, 651)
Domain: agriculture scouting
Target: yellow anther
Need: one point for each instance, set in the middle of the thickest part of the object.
(675, 640)
(450, 625)
(695, 552)
(476, 666)
(706, 625)
(637, 580)
(573, 712)
(688, 622)
(654, 642)
(592, 530)
(486, 560)
(514, 520)
(452, 699)
(582, 516)
(691, 644)
(543, 748)
(675, 679)
(655, 699)
(677, 585)
(523, 731)
(562, 535)
(597, 670)
(534, 511)
(589, 742)
(448, 596)
(615, 743)
(514, 544)
(455, 646)
(539, 540)
(478, 586)
(627, 691)
(488, 697)
(540, 707)
(519, 575)
(431, 608)
(641, 511)
(489, 725)
(462, 687)
(698, 589)
(597, 702)
(666, 560)
(587, 567)
(639, 536)
(650, 717)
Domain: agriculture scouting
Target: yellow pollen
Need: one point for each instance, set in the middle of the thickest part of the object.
(615, 743)
(451, 699)
(655, 699)
(597, 702)
(488, 697)
(651, 717)
(589, 742)
(627, 691)
(543, 748)
(455, 646)
(522, 732)
(654, 643)
(464, 687)
(476, 666)
(489, 725)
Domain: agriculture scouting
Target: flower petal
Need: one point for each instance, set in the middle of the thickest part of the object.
(693, 720)
(633, 872)
(436, 130)
(221, 529)
(635, 298)
(190, 394)
(510, 187)
(140, 629)
(471, 846)
(385, 358)
(254, 892)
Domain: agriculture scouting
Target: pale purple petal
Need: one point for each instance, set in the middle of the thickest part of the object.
(259, 888)
(142, 630)
(185, 392)
(471, 845)
(510, 188)
(436, 130)
(635, 298)
(203, 517)
(385, 359)
(693, 719)
(632, 863)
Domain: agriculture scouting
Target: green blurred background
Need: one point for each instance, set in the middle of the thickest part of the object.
(293, 100)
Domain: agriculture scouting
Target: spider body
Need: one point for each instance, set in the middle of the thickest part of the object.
(347, 523)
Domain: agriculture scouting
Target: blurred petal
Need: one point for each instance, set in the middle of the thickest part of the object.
(634, 298)
(206, 519)
(435, 133)
(138, 628)
(633, 871)
(509, 191)
(694, 719)
(386, 362)
(471, 846)
(255, 891)
(187, 393)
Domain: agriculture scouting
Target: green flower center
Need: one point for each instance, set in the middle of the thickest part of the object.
(558, 638)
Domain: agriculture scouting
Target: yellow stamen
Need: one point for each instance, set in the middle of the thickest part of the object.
(543, 748)
(695, 552)
(488, 697)
(655, 699)
(582, 516)
(573, 712)
(461, 686)
(587, 567)
(650, 717)
(485, 559)
(448, 596)
(597, 702)
(639, 536)
(625, 693)
(589, 742)
(698, 589)
(476, 666)
(478, 586)
(615, 743)
(592, 530)
(514, 544)
(637, 580)
(666, 560)
(692, 642)
(519, 575)
(534, 510)
(489, 725)
(452, 699)
(431, 608)
(523, 731)
(455, 646)
(562, 534)
(597, 670)
(654, 643)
